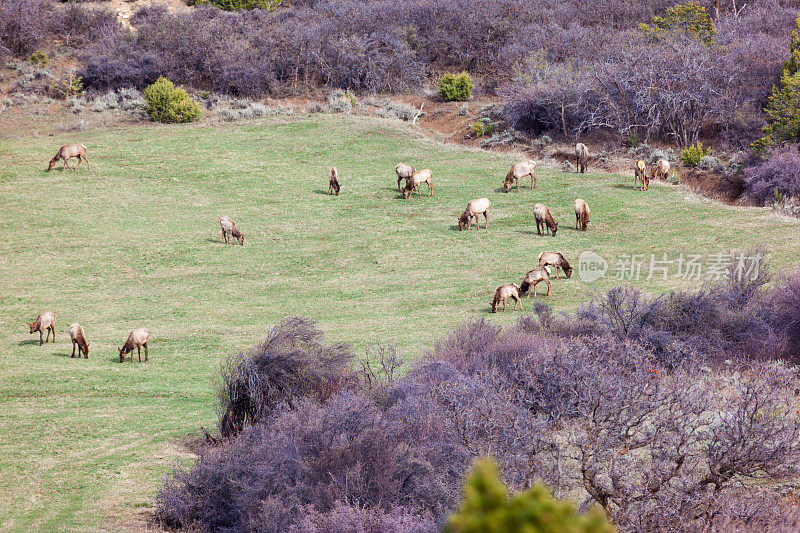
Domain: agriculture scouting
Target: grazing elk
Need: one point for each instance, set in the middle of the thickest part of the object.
(45, 321)
(662, 170)
(475, 208)
(137, 339)
(544, 220)
(404, 172)
(518, 171)
(640, 176)
(78, 339)
(229, 228)
(503, 293)
(581, 214)
(556, 260)
(67, 152)
(418, 178)
(581, 157)
(333, 182)
(532, 278)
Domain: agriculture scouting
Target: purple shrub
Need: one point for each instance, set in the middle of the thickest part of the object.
(291, 363)
(786, 302)
(309, 464)
(778, 175)
(582, 408)
(24, 25)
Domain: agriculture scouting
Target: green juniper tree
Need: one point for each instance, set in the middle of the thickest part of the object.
(783, 107)
(690, 18)
(487, 508)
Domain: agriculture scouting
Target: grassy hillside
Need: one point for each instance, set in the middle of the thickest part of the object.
(136, 242)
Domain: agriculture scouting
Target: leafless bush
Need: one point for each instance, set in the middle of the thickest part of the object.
(290, 364)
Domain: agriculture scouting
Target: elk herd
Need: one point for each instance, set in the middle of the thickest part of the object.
(46, 321)
(414, 180)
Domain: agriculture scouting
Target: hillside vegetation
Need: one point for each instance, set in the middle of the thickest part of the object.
(136, 242)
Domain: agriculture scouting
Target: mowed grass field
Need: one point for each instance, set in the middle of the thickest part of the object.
(84, 444)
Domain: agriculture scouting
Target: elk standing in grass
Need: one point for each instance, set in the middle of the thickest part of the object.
(640, 176)
(404, 172)
(475, 208)
(532, 278)
(518, 171)
(45, 321)
(503, 293)
(229, 228)
(544, 219)
(581, 157)
(67, 152)
(418, 178)
(137, 339)
(333, 182)
(662, 170)
(581, 214)
(556, 260)
(78, 339)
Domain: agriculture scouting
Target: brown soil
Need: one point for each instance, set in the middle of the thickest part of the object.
(713, 185)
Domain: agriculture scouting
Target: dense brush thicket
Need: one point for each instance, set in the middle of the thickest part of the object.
(564, 67)
(778, 175)
(670, 412)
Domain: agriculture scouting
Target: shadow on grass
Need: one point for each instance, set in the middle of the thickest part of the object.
(68, 355)
(127, 361)
(533, 232)
(29, 341)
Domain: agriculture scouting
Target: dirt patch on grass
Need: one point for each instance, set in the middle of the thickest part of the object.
(715, 185)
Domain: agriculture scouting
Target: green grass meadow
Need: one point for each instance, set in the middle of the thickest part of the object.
(84, 444)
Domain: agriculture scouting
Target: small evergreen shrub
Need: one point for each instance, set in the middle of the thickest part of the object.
(39, 58)
(169, 104)
(482, 127)
(690, 18)
(70, 86)
(691, 156)
(456, 87)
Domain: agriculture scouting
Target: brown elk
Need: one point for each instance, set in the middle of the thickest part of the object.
(556, 260)
(662, 170)
(581, 157)
(229, 228)
(532, 278)
(503, 293)
(45, 321)
(581, 214)
(475, 208)
(333, 182)
(418, 178)
(404, 172)
(78, 339)
(67, 152)
(518, 171)
(640, 176)
(544, 220)
(137, 339)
